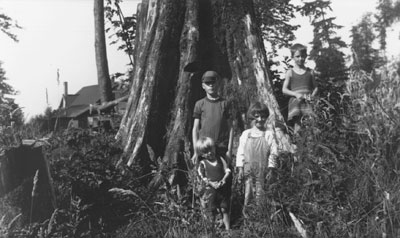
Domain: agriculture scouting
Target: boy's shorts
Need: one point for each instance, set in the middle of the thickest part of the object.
(217, 198)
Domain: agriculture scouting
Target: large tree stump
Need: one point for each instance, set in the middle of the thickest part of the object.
(18, 166)
(218, 35)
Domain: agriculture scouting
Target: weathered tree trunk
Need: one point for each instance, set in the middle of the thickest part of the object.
(218, 35)
(103, 76)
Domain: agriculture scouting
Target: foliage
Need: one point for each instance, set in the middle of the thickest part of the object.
(90, 186)
(376, 116)
(9, 110)
(124, 27)
(6, 25)
(84, 169)
(171, 217)
(388, 13)
(11, 115)
(363, 37)
(39, 125)
(9, 213)
(331, 71)
(342, 182)
(274, 18)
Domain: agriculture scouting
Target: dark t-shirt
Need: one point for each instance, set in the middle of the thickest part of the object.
(214, 116)
(213, 173)
(302, 83)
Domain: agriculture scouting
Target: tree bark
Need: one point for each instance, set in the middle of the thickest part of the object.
(103, 76)
(217, 35)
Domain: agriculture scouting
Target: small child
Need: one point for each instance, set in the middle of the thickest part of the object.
(300, 84)
(257, 151)
(214, 171)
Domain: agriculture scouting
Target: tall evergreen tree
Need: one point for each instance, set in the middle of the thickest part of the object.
(9, 110)
(388, 13)
(274, 18)
(363, 37)
(326, 52)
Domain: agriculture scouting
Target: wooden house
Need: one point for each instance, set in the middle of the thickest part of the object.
(79, 110)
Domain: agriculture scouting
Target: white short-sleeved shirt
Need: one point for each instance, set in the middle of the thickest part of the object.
(269, 137)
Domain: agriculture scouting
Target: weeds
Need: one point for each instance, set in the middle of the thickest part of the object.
(343, 181)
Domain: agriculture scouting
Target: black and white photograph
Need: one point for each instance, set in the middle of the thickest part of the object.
(200, 118)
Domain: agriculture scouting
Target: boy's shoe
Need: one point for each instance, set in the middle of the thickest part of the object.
(245, 214)
(226, 233)
(220, 223)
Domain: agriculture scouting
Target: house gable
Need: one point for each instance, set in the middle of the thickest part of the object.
(76, 104)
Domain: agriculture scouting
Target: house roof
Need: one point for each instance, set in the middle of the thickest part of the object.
(87, 95)
(68, 100)
(78, 103)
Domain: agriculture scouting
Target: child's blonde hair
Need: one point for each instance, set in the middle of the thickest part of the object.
(204, 145)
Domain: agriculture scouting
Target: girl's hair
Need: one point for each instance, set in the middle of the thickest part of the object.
(257, 108)
(204, 145)
(298, 47)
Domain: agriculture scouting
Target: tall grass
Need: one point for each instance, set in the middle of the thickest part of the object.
(343, 181)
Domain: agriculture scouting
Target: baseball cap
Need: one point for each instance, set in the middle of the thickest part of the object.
(209, 76)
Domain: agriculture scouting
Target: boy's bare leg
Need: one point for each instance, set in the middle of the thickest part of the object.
(259, 191)
(247, 194)
(213, 218)
(297, 126)
(195, 160)
(203, 204)
(225, 219)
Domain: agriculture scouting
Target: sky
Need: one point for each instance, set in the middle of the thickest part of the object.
(59, 34)
(56, 34)
(348, 13)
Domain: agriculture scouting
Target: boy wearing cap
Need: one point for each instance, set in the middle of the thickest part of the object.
(211, 117)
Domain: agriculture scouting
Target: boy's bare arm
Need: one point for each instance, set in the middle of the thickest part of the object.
(240, 174)
(315, 91)
(195, 137)
(195, 130)
(227, 172)
(200, 173)
(240, 156)
(232, 125)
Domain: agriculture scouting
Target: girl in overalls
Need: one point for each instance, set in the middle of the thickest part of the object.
(256, 154)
